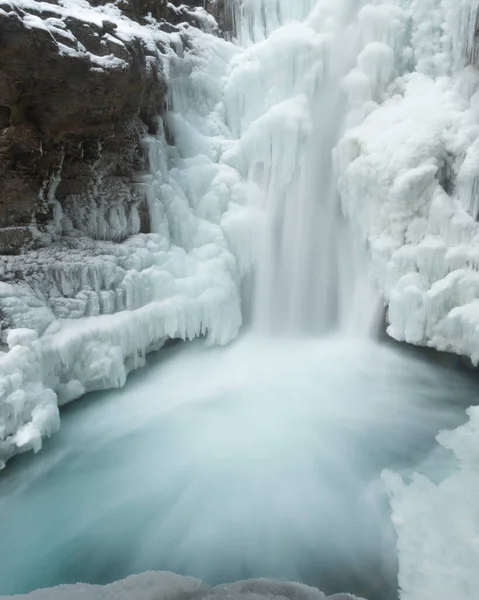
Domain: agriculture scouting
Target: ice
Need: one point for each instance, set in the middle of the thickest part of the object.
(255, 20)
(98, 307)
(437, 523)
(285, 149)
(168, 586)
(407, 172)
(29, 409)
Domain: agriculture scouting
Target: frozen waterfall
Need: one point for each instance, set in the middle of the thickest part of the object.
(266, 457)
(285, 101)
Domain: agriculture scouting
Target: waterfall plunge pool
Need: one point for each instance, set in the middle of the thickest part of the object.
(262, 459)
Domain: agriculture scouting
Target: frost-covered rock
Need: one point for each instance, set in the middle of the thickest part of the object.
(168, 586)
(78, 86)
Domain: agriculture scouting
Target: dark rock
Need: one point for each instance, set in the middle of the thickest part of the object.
(71, 123)
(5, 116)
(65, 117)
(11, 238)
(109, 25)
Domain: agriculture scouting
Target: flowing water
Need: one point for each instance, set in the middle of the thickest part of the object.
(260, 460)
(263, 459)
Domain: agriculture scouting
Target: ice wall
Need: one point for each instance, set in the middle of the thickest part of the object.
(407, 166)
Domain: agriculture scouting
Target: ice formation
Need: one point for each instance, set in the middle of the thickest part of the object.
(168, 586)
(407, 166)
(96, 309)
(437, 523)
(395, 83)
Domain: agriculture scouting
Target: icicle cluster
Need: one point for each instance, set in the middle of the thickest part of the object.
(408, 166)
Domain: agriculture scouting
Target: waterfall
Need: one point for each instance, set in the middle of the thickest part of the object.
(308, 267)
(265, 458)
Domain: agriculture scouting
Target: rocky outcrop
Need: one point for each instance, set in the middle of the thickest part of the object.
(166, 13)
(81, 84)
(78, 89)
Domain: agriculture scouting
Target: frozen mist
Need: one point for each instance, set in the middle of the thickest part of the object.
(265, 458)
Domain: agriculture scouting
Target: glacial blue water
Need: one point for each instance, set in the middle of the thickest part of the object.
(262, 459)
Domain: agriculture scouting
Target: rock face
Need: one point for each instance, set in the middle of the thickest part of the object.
(77, 92)
(81, 83)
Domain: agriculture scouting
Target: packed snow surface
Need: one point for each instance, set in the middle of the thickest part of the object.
(262, 459)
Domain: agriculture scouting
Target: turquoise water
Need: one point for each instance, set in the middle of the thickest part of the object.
(258, 460)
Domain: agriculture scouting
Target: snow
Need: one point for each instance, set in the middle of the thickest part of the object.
(168, 586)
(83, 11)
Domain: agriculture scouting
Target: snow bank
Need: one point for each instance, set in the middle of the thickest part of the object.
(168, 586)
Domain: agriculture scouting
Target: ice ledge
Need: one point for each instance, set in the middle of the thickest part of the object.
(95, 353)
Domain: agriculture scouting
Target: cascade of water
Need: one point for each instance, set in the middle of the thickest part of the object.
(307, 262)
